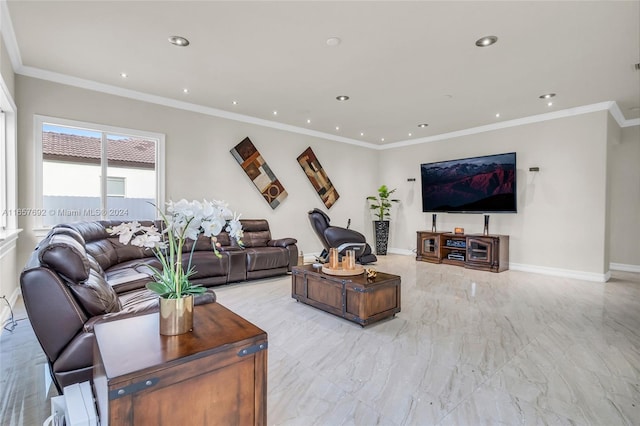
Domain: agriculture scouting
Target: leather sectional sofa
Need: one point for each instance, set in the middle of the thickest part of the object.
(79, 275)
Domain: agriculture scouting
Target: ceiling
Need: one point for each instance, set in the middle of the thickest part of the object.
(401, 63)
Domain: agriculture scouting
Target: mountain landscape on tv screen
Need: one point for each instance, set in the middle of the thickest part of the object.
(469, 185)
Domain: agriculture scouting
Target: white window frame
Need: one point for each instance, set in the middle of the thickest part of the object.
(40, 120)
(3, 172)
(8, 165)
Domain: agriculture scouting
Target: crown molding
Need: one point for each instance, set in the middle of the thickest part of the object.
(616, 113)
(173, 103)
(610, 106)
(6, 29)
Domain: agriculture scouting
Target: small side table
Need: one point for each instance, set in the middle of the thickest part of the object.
(216, 374)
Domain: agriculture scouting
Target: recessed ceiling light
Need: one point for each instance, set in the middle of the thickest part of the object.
(185, 91)
(235, 102)
(409, 133)
(361, 133)
(342, 98)
(333, 41)
(337, 127)
(308, 121)
(498, 115)
(547, 96)
(124, 75)
(549, 103)
(179, 41)
(422, 125)
(275, 112)
(486, 41)
(381, 139)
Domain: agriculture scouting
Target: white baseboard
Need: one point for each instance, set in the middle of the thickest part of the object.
(558, 272)
(624, 267)
(403, 252)
(5, 312)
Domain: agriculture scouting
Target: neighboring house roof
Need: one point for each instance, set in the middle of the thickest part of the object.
(128, 152)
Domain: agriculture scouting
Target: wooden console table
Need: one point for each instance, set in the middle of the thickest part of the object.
(216, 374)
(355, 297)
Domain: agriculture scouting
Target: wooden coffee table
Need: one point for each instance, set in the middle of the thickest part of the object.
(355, 298)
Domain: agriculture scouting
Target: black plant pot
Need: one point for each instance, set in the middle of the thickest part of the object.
(382, 235)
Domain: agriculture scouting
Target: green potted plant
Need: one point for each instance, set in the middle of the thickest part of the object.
(381, 206)
(184, 220)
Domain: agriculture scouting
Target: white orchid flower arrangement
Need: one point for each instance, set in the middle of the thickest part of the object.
(183, 220)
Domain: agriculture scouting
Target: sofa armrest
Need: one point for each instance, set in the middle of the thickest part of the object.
(282, 242)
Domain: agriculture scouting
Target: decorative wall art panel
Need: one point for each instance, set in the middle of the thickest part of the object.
(318, 177)
(259, 172)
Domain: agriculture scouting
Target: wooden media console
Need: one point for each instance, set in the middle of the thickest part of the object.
(474, 251)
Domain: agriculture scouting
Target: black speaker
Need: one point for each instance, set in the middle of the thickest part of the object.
(486, 224)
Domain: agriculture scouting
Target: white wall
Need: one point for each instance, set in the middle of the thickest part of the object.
(198, 161)
(9, 270)
(625, 200)
(9, 264)
(561, 226)
(6, 69)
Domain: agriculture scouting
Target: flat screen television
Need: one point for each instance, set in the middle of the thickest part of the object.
(471, 185)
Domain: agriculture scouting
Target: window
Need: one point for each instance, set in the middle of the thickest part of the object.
(116, 186)
(8, 165)
(92, 172)
(3, 172)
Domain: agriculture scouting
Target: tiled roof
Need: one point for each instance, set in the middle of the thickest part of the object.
(64, 146)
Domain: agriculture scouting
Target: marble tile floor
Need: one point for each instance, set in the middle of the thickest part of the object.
(468, 348)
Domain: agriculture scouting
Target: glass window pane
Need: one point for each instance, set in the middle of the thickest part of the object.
(70, 174)
(133, 161)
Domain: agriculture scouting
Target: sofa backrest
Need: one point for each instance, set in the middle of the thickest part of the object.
(256, 232)
(104, 247)
(63, 251)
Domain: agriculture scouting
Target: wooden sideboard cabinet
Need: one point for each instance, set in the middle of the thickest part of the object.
(214, 375)
(474, 251)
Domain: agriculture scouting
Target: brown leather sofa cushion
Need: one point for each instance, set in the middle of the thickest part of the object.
(206, 264)
(259, 258)
(65, 255)
(256, 232)
(202, 244)
(126, 252)
(132, 275)
(95, 295)
(256, 239)
(103, 252)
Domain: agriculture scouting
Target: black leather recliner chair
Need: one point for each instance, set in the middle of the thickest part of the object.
(340, 238)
